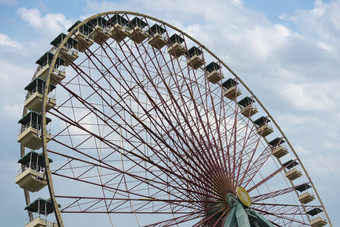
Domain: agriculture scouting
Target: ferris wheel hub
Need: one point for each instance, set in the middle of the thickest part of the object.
(243, 196)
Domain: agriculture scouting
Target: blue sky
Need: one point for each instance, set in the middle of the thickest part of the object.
(287, 51)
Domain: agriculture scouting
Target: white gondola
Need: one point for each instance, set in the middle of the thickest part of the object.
(67, 52)
(30, 135)
(157, 40)
(40, 208)
(293, 174)
(32, 173)
(318, 222)
(137, 32)
(231, 91)
(195, 59)
(248, 107)
(101, 30)
(306, 198)
(118, 29)
(277, 149)
(263, 127)
(34, 96)
(83, 36)
(44, 62)
(214, 74)
(176, 48)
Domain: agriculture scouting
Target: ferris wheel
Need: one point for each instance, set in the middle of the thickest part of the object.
(132, 122)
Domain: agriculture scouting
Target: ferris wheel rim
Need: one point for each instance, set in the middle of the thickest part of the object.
(50, 183)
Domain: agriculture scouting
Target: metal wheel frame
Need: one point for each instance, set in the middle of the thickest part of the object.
(45, 99)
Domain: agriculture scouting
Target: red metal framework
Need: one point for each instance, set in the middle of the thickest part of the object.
(139, 133)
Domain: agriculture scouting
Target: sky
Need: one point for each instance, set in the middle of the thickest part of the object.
(286, 51)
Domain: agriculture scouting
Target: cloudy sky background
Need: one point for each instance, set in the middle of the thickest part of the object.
(286, 51)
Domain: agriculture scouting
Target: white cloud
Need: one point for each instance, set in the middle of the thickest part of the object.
(13, 111)
(260, 40)
(331, 142)
(337, 117)
(331, 145)
(237, 2)
(50, 23)
(6, 41)
(319, 9)
(12, 88)
(318, 164)
(193, 30)
(321, 22)
(225, 27)
(310, 97)
(297, 120)
(300, 150)
(325, 46)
